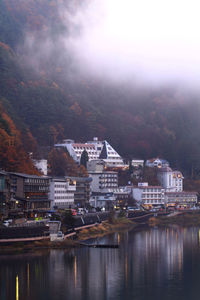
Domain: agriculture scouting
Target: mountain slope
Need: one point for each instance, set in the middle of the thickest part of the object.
(47, 95)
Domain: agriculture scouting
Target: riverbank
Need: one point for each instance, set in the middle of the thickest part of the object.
(97, 230)
(106, 228)
(189, 218)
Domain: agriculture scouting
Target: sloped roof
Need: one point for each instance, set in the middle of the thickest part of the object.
(103, 154)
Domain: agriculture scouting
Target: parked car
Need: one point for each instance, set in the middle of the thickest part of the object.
(154, 209)
(81, 211)
(133, 208)
(60, 234)
(7, 222)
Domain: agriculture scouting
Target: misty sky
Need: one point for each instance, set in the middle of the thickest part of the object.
(152, 40)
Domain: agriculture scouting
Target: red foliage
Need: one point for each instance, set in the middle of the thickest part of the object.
(12, 154)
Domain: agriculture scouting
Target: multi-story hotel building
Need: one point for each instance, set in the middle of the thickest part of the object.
(181, 199)
(102, 180)
(4, 194)
(62, 192)
(149, 196)
(96, 150)
(82, 192)
(171, 181)
(29, 193)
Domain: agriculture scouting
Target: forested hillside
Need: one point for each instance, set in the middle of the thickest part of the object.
(48, 97)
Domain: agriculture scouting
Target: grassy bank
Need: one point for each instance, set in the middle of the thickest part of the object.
(185, 219)
(92, 232)
(106, 228)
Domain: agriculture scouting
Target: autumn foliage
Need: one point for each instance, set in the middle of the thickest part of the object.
(12, 154)
(61, 164)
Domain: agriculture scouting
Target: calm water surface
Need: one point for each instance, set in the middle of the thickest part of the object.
(156, 263)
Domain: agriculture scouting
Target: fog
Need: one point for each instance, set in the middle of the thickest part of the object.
(153, 41)
(156, 41)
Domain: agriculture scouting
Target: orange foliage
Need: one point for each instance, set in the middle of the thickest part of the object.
(76, 109)
(5, 46)
(12, 154)
(62, 164)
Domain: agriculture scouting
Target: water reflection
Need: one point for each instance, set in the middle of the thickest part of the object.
(156, 263)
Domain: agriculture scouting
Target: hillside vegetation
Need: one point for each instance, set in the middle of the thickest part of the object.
(46, 98)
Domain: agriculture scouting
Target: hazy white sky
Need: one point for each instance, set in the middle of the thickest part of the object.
(155, 40)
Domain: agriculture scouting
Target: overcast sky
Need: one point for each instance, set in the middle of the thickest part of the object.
(151, 40)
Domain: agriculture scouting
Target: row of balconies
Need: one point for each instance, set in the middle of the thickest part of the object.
(159, 191)
(154, 201)
(182, 200)
(153, 195)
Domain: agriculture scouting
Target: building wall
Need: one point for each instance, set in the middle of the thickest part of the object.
(31, 190)
(95, 165)
(4, 194)
(103, 181)
(187, 199)
(149, 195)
(137, 162)
(171, 181)
(41, 165)
(62, 193)
(102, 200)
(82, 193)
(93, 149)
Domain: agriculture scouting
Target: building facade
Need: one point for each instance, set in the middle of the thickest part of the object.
(4, 194)
(171, 181)
(157, 163)
(62, 192)
(103, 200)
(149, 196)
(102, 181)
(181, 199)
(29, 193)
(96, 150)
(137, 163)
(82, 192)
(41, 165)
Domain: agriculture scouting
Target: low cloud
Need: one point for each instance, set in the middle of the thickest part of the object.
(153, 41)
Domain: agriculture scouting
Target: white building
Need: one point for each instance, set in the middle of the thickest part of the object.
(41, 165)
(62, 192)
(181, 199)
(97, 165)
(137, 163)
(157, 163)
(171, 181)
(106, 200)
(96, 150)
(149, 196)
(103, 181)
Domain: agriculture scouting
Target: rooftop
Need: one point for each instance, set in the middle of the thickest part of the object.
(180, 193)
(150, 187)
(29, 176)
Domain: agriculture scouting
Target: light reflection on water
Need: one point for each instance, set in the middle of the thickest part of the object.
(156, 263)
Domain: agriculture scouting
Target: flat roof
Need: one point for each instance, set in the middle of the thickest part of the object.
(29, 176)
(150, 187)
(181, 193)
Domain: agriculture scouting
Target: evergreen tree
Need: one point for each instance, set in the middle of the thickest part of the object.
(84, 158)
(130, 169)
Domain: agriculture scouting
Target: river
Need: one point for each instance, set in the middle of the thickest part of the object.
(152, 263)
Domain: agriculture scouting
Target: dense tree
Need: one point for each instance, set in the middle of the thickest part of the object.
(55, 101)
(12, 154)
(84, 158)
(68, 219)
(62, 164)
